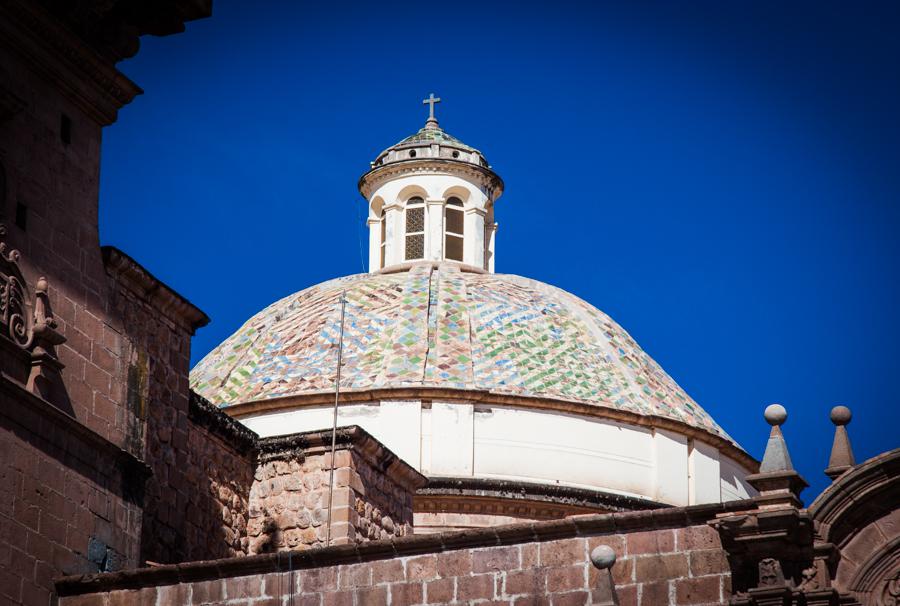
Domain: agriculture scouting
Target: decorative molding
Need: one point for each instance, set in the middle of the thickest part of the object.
(485, 177)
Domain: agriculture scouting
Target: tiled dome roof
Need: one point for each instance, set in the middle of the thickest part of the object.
(427, 135)
(441, 327)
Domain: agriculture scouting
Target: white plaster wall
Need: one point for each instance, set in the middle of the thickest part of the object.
(671, 465)
(704, 473)
(458, 439)
(564, 449)
(732, 482)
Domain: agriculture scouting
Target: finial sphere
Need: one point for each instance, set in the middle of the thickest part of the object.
(775, 414)
(841, 415)
(603, 557)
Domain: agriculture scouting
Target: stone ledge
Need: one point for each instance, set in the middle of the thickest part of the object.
(147, 287)
(441, 489)
(284, 561)
(215, 421)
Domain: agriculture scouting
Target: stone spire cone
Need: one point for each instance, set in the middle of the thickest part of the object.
(841, 453)
(778, 483)
(776, 457)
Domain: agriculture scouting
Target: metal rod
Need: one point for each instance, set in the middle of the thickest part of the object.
(337, 393)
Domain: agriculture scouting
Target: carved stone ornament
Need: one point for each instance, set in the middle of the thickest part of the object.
(770, 574)
(30, 325)
(13, 306)
(890, 594)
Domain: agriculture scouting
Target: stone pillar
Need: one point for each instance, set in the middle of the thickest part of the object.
(374, 244)
(434, 227)
(473, 250)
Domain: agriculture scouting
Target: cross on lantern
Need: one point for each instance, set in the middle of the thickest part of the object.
(430, 101)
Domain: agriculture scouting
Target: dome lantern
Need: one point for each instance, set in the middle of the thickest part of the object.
(431, 199)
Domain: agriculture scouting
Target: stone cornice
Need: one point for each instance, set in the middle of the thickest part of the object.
(475, 396)
(513, 534)
(89, 80)
(520, 499)
(487, 178)
(75, 45)
(233, 432)
(130, 274)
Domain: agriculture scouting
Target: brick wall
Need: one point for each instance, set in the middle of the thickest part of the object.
(70, 502)
(667, 558)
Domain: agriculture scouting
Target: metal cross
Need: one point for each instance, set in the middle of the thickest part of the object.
(430, 101)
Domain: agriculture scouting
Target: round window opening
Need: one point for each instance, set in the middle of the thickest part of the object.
(455, 154)
(412, 153)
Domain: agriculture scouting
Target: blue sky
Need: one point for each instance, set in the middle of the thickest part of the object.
(723, 179)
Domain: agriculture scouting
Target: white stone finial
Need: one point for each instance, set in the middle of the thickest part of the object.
(775, 414)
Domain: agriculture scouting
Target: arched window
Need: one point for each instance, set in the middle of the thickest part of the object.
(383, 237)
(454, 230)
(415, 229)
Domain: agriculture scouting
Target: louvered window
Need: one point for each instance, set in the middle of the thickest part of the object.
(415, 229)
(454, 230)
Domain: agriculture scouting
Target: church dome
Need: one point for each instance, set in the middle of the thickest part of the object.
(480, 381)
(437, 326)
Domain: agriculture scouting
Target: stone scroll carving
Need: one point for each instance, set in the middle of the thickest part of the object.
(890, 594)
(13, 306)
(27, 321)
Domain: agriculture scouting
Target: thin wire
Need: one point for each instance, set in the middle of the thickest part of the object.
(337, 393)
(362, 262)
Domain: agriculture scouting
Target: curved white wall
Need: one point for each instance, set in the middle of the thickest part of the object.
(391, 196)
(462, 440)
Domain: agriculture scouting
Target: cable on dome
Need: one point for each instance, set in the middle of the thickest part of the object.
(337, 393)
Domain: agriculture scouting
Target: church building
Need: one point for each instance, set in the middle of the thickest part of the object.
(430, 432)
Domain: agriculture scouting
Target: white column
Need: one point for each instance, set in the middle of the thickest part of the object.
(434, 226)
(393, 252)
(374, 244)
(473, 247)
(491, 236)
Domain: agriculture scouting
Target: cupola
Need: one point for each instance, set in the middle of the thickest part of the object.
(431, 199)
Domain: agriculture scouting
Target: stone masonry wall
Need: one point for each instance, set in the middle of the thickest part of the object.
(383, 508)
(515, 565)
(198, 497)
(289, 500)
